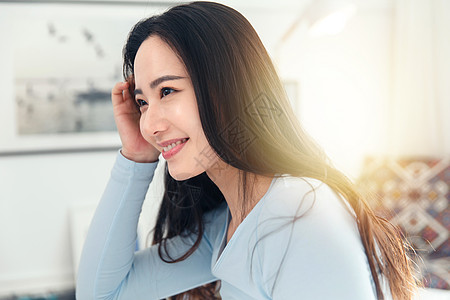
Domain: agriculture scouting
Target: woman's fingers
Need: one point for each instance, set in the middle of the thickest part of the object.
(127, 115)
(123, 100)
(117, 92)
(127, 97)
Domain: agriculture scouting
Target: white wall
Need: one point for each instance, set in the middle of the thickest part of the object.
(36, 195)
(345, 84)
(347, 99)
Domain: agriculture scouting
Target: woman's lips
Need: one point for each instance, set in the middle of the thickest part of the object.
(168, 154)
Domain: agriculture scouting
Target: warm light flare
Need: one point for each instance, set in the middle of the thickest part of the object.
(333, 23)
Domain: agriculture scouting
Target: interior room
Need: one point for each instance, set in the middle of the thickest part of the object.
(367, 79)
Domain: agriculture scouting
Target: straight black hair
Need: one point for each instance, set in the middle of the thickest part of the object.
(248, 121)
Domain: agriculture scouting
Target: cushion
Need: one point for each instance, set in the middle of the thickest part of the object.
(414, 193)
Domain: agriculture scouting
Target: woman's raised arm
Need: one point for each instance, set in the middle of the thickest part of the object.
(109, 266)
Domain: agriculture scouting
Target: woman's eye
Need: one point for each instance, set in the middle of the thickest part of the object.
(166, 91)
(140, 102)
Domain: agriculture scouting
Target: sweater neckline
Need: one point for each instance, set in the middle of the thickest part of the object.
(224, 245)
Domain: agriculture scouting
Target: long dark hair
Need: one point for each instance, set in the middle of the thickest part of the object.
(239, 92)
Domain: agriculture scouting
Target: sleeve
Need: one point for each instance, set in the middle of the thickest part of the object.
(319, 255)
(109, 266)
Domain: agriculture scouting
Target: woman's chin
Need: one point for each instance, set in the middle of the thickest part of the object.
(180, 176)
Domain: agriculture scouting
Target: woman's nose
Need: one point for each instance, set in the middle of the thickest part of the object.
(153, 121)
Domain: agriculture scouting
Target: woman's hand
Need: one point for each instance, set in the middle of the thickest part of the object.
(126, 115)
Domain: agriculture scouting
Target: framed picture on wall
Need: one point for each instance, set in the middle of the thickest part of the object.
(60, 61)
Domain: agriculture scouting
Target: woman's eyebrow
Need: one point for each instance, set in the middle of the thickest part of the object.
(161, 79)
(158, 81)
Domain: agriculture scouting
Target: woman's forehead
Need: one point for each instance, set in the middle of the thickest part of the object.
(156, 58)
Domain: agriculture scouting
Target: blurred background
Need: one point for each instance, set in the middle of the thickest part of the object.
(368, 79)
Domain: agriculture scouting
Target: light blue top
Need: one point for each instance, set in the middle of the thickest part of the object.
(320, 256)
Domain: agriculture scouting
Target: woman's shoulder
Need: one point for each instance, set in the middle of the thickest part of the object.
(305, 228)
(307, 208)
(295, 196)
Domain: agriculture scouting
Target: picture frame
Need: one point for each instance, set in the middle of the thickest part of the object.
(60, 61)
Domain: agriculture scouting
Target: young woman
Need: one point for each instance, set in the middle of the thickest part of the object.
(250, 201)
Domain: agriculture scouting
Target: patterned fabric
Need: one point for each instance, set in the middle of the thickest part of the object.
(415, 195)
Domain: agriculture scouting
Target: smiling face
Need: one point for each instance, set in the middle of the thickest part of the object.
(169, 109)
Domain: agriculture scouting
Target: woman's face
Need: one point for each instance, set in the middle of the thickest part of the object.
(169, 110)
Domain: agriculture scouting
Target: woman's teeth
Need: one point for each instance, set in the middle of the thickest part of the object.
(173, 145)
